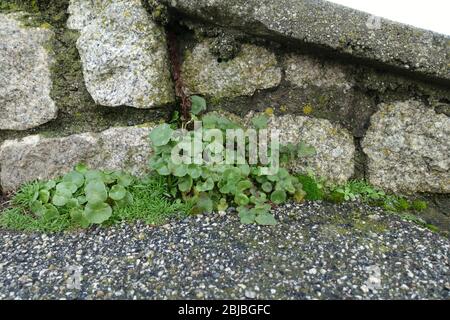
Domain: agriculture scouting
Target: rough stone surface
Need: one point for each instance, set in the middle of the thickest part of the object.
(82, 13)
(334, 145)
(25, 81)
(252, 69)
(303, 71)
(35, 157)
(323, 24)
(123, 53)
(408, 148)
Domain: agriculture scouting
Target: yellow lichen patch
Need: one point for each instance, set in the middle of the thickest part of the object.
(269, 112)
(307, 109)
(283, 108)
(46, 25)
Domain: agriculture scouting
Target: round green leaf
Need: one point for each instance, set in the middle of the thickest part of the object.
(222, 205)
(260, 122)
(81, 168)
(205, 186)
(243, 185)
(60, 200)
(74, 177)
(283, 173)
(127, 200)
(98, 212)
(72, 203)
(96, 192)
(66, 188)
(82, 199)
(50, 184)
(267, 187)
(185, 184)
(204, 204)
(278, 196)
(36, 207)
(50, 211)
(245, 169)
(198, 104)
(44, 195)
(266, 219)
(180, 170)
(108, 178)
(161, 135)
(79, 217)
(241, 199)
(124, 179)
(246, 216)
(163, 171)
(117, 192)
(194, 171)
(93, 175)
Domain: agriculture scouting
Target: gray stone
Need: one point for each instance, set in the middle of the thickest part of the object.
(25, 77)
(253, 68)
(35, 157)
(408, 148)
(82, 12)
(123, 53)
(303, 71)
(331, 26)
(334, 145)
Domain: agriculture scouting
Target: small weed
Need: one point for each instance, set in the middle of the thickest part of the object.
(152, 203)
(312, 188)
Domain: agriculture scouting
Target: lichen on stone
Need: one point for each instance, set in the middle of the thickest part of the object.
(333, 144)
(123, 54)
(37, 157)
(254, 68)
(304, 70)
(408, 148)
(25, 62)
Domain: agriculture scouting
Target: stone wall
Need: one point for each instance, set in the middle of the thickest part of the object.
(86, 80)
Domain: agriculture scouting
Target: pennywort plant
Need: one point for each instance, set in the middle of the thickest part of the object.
(86, 196)
(213, 184)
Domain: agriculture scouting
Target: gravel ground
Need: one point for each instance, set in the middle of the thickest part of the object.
(317, 251)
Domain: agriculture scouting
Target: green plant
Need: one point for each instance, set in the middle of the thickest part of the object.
(355, 189)
(152, 203)
(213, 185)
(28, 193)
(20, 219)
(87, 196)
(312, 188)
(363, 191)
(419, 205)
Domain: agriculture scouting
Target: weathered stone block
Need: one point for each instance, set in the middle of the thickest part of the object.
(334, 145)
(252, 69)
(123, 53)
(35, 157)
(25, 78)
(408, 148)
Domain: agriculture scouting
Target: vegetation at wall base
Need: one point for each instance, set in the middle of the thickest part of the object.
(214, 185)
(147, 200)
(85, 197)
(360, 190)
